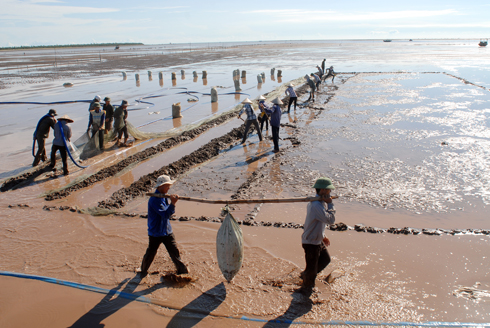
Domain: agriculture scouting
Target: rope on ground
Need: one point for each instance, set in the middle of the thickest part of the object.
(143, 299)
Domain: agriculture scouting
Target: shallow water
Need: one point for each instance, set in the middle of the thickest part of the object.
(381, 140)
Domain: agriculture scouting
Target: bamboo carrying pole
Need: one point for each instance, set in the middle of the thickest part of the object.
(243, 201)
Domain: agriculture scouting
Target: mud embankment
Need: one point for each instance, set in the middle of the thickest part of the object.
(175, 169)
(140, 156)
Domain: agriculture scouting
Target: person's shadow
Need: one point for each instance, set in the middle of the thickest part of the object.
(300, 305)
(109, 305)
(198, 309)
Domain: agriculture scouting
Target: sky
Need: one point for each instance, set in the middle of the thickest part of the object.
(57, 22)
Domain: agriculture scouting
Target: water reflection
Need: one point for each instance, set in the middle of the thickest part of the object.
(279, 79)
(183, 76)
(256, 153)
(204, 81)
(244, 80)
(177, 122)
(237, 96)
(195, 79)
(259, 86)
(138, 84)
(174, 83)
(273, 78)
(161, 82)
(214, 107)
(293, 118)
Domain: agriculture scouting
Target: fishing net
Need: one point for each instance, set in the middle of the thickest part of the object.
(229, 246)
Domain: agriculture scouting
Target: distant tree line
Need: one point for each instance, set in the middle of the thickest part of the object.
(73, 45)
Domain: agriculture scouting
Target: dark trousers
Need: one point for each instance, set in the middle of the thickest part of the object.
(173, 251)
(63, 154)
(275, 137)
(41, 151)
(317, 259)
(101, 137)
(263, 120)
(291, 100)
(123, 130)
(247, 126)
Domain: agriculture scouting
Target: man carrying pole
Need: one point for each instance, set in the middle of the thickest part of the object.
(159, 228)
(319, 213)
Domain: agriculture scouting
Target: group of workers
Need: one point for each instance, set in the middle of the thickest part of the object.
(101, 119)
(62, 135)
(100, 123)
(267, 114)
(314, 79)
(319, 213)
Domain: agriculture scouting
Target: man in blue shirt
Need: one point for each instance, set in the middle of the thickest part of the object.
(275, 113)
(159, 228)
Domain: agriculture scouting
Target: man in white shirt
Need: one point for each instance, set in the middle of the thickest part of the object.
(319, 213)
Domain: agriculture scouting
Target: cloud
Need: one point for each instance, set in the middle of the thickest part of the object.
(305, 16)
(44, 11)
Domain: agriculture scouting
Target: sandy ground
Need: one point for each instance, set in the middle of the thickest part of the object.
(386, 277)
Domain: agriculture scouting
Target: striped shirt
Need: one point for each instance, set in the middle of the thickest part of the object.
(247, 108)
(290, 92)
(97, 119)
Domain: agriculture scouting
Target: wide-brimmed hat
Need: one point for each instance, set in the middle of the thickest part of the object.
(262, 97)
(66, 118)
(52, 112)
(247, 101)
(307, 76)
(107, 99)
(323, 183)
(290, 85)
(277, 101)
(164, 179)
(124, 103)
(96, 105)
(97, 97)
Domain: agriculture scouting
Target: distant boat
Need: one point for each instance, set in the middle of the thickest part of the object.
(483, 43)
(387, 40)
(410, 40)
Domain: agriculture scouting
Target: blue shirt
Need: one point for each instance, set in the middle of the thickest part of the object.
(58, 138)
(275, 113)
(159, 212)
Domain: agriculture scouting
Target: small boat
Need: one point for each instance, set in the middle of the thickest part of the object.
(387, 40)
(483, 43)
(410, 40)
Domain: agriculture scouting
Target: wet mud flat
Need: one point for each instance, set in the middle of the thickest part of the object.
(386, 278)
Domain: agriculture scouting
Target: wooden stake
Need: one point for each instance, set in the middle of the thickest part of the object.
(243, 201)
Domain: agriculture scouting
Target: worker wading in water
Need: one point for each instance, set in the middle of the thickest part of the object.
(97, 122)
(120, 125)
(251, 119)
(59, 144)
(41, 134)
(109, 114)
